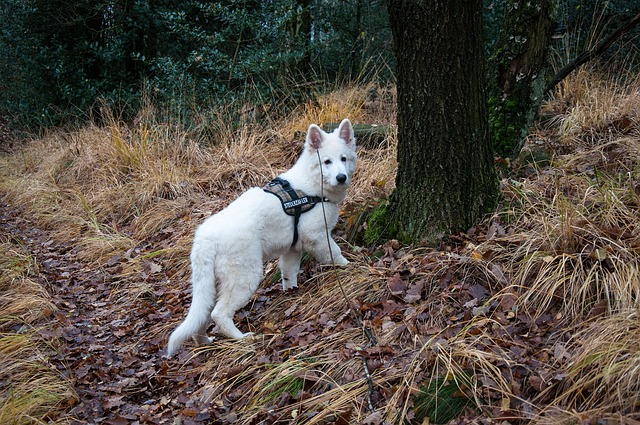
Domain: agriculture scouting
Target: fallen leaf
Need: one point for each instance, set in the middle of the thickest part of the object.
(288, 312)
(472, 303)
(375, 418)
(494, 230)
(599, 254)
(396, 285)
(477, 291)
(414, 292)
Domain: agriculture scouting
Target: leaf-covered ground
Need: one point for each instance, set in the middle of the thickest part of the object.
(529, 316)
(112, 346)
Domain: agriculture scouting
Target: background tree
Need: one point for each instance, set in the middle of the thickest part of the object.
(60, 60)
(520, 65)
(446, 179)
(532, 37)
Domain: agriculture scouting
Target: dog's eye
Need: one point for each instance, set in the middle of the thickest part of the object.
(344, 159)
(327, 162)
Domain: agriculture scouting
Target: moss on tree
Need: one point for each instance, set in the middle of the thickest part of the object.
(521, 64)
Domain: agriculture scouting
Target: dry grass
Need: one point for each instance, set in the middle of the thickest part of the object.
(339, 387)
(594, 109)
(21, 298)
(31, 389)
(566, 244)
(602, 374)
(574, 242)
(569, 247)
(604, 366)
(90, 183)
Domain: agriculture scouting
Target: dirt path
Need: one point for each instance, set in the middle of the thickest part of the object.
(108, 341)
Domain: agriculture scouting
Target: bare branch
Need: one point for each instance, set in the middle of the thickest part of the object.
(585, 57)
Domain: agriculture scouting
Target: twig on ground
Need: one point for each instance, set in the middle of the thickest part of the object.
(369, 381)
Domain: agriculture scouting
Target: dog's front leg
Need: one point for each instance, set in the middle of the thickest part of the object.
(289, 264)
(320, 251)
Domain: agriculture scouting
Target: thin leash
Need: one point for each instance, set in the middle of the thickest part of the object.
(356, 314)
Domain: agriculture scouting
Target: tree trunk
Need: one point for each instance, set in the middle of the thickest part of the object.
(521, 62)
(299, 28)
(446, 179)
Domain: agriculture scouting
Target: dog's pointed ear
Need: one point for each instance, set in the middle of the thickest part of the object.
(314, 137)
(345, 131)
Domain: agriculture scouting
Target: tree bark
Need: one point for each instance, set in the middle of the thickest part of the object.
(521, 63)
(446, 179)
(299, 28)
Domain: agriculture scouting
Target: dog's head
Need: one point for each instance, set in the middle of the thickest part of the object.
(334, 153)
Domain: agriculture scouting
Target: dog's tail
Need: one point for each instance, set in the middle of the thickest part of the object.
(202, 300)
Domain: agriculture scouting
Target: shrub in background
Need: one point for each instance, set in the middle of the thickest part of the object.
(60, 60)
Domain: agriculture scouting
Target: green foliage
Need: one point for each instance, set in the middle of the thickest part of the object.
(60, 60)
(519, 64)
(378, 225)
(382, 226)
(510, 119)
(443, 399)
(285, 384)
(520, 77)
(503, 116)
(57, 58)
(493, 16)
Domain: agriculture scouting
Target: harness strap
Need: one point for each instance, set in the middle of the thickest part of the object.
(294, 202)
(296, 207)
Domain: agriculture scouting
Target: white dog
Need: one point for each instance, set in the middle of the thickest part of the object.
(230, 247)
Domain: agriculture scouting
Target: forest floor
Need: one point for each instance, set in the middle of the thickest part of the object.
(531, 316)
(112, 354)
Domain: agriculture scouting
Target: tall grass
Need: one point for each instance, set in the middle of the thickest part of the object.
(571, 249)
(604, 367)
(564, 245)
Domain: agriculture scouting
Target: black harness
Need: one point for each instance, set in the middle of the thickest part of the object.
(294, 202)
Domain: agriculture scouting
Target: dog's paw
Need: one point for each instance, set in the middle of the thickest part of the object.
(203, 339)
(341, 261)
(248, 335)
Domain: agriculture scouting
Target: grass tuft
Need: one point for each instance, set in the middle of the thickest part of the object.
(442, 400)
(603, 371)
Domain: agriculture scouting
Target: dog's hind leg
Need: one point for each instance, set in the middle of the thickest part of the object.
(289, 264)
(237, 285)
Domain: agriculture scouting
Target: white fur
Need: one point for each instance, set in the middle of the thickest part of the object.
(230, 247)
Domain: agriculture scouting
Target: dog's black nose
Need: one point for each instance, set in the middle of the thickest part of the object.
(341, 178)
